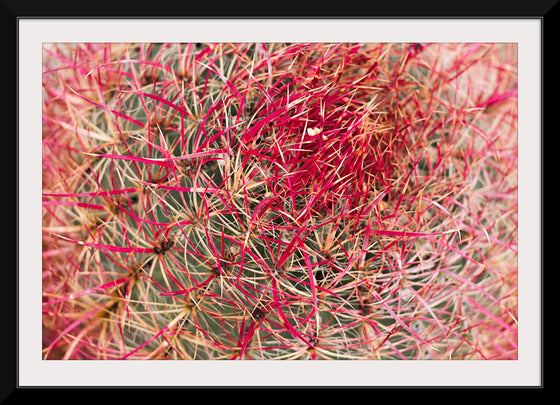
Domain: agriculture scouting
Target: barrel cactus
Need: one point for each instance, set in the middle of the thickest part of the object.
(340, 201)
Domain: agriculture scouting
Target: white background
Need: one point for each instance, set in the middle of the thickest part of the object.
(33, 371)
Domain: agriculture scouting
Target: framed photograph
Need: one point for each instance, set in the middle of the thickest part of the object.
(306, 201)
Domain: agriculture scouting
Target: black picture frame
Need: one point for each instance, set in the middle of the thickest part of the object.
(13, 11)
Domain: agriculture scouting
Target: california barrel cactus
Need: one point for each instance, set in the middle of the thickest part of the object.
(279, 201)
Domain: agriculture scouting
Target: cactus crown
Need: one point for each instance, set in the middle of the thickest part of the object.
(279, 201)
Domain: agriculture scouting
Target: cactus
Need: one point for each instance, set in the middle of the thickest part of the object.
(279, 201)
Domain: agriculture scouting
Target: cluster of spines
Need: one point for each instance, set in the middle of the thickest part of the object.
(278, 201)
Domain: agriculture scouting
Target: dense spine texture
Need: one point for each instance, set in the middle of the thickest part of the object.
(279, 201)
